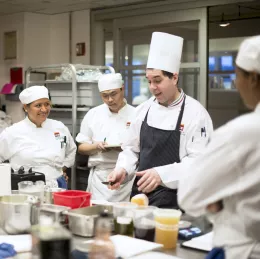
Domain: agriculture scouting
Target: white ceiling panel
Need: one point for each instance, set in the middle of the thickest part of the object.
(62, 9)
(24, 2)
(6, 8)
(60, 6)
(47, 2)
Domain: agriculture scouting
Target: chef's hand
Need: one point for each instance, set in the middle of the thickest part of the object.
(101, 147)
(117, 176)
(64, 169)
(215, 207)
(150, 179)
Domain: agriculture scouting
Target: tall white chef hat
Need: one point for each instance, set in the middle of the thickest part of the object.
(33, 93)
(165, 52)
(110, 82)
(248, 57)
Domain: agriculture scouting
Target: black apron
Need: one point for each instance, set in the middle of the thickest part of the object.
(157, 148)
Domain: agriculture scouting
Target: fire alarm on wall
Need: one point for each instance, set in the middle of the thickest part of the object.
(80, 49)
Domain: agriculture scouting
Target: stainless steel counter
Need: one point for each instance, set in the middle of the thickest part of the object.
(180, 252)
(183, 253)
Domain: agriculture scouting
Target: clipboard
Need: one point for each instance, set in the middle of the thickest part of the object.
(116, 146)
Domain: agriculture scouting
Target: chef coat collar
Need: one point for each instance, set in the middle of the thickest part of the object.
(175, 102)
(30, 123)
(179, 99)
(122, 111)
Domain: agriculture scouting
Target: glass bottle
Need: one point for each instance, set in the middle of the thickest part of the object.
(50, 240)
(103, 247)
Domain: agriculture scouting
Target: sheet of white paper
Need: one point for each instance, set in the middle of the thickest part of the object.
(203, 242)
(128, 247)
(154, 255)
(21, 243)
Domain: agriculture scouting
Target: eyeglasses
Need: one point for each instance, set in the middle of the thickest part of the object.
(111, 95)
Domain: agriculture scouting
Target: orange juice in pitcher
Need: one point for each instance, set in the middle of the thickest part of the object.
(166, 227)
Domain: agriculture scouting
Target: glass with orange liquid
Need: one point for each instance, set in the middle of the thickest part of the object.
(166, 227)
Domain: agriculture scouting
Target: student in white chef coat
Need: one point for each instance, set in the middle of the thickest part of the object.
(43, 144)
(224, 183)
(169, 130)
(107, 124)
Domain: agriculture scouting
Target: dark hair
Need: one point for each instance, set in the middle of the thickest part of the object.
(168, 74)
(247, 74)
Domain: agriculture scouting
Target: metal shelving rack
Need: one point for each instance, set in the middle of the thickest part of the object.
(74, 87)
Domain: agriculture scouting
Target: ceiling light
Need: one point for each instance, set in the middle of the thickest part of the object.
(223, 23)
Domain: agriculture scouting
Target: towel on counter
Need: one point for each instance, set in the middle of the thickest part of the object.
(216, 253)
(6, 250)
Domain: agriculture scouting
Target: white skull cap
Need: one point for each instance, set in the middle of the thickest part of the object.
(110, 82)
(33, 93)
(248, 57)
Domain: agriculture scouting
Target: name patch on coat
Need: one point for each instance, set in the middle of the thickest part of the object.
(57, 135)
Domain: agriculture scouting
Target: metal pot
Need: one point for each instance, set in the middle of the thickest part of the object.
(55, 212)
(82, 221)
(48, 194)
(18, 212)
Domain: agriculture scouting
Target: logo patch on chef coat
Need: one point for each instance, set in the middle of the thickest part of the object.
(128, 124)
(57, 135)
(181, 127)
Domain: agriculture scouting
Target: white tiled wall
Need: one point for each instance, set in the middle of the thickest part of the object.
(42, 40)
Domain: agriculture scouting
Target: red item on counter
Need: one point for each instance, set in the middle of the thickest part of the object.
(72, 198)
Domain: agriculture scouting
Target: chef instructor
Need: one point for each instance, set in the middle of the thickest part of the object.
(169, 130)
(43, 144)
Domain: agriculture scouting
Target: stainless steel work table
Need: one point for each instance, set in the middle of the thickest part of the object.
(183, 253)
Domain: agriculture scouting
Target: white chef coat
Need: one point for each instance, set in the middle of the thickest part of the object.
(99, 124)
(229, 170)
(23, 144)
(196, 128)
(5, 121)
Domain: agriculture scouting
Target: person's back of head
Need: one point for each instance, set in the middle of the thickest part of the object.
(248, 71)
